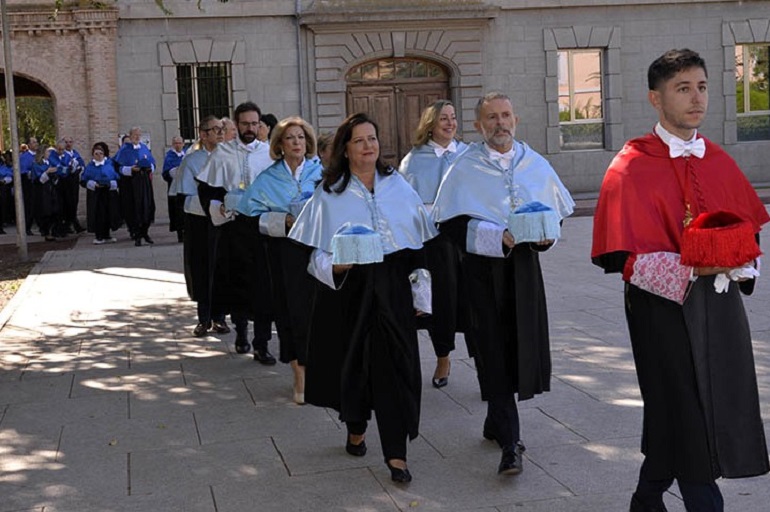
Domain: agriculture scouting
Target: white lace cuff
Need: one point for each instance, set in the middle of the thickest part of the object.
(662, 274)
(485, 238)
(273, 224)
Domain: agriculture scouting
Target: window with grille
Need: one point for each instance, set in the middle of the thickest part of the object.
(752, 93)
(202, 89)
(581, 99)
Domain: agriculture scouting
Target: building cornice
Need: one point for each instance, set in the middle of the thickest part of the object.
(77, 20)
(338, 16)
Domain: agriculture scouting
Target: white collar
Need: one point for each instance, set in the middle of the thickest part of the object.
(679, 147)
(440, 150)
(99, 163)
(297, 172)
(251, 146)
(497, 156)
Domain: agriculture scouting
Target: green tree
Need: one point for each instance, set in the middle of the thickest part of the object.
(35, 118)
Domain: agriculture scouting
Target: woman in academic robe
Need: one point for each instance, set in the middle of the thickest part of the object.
(271, 204)
(102, 199)
(362, 342)
(435, 148)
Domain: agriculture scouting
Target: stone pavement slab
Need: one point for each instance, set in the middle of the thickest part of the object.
(108, 404)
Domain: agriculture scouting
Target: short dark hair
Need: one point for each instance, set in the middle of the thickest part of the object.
(103, 146)
(270, 121)
(671, 63)
(339, 166)
(246, 106)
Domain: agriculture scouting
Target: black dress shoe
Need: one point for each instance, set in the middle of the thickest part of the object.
(2, 231)
(30, 233)
(398, 475)
(440, 382)
(264, 356)
(638, 506)
(200, 330)
(356, 450)
(138, 242)
(242, 346)
(511, 463)
(220, 327)
(148, 239)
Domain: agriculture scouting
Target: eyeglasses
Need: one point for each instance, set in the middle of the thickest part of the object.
(216, 129)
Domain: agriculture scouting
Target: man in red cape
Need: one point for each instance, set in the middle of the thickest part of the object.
(688, 328)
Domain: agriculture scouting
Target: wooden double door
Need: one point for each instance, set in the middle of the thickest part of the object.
(396, 108)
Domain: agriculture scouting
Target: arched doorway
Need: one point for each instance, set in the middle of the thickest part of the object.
(35, 113)
(394, 91)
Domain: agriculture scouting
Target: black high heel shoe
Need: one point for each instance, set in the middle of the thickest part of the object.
(398, 475)
(356, 450)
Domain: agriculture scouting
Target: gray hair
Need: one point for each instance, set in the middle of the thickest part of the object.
(493, 95)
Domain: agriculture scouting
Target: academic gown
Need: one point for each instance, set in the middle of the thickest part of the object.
(424, 171)
(197, 248)
(47, 197)
(236, 253)
(70, 184)
(173, 160)
(102, 204)
(265, 203)
(694, 362)
(136, 190)
(508, 315)
(362, 339)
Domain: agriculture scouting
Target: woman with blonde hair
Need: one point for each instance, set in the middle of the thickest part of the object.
(435, 149)
(270, 205)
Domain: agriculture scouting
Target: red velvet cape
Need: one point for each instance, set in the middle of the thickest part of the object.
(641, 204)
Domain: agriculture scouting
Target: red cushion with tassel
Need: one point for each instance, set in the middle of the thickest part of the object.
(718, 239)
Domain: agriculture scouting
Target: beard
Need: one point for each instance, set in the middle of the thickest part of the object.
(499, 138)
(247, 137)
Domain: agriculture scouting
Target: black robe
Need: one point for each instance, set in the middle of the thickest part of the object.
(367, 327)
(695, 367)
(508, 317)
(103, 210)
(291, 293)
(196, 257)
(142, 207)
(449, 299)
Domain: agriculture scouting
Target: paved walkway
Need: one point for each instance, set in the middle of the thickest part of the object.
(107, 403)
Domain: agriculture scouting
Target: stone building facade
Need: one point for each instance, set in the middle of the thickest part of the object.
(316, 58)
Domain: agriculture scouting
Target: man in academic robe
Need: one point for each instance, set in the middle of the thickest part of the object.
(688, 328)
(508, 318)
(221, 183)
(136, 163)
(26, 161)
(198, 253)
(69, 185)
(170, 166)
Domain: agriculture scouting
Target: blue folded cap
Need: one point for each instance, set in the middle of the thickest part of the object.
(533, 206)
(356, 244)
